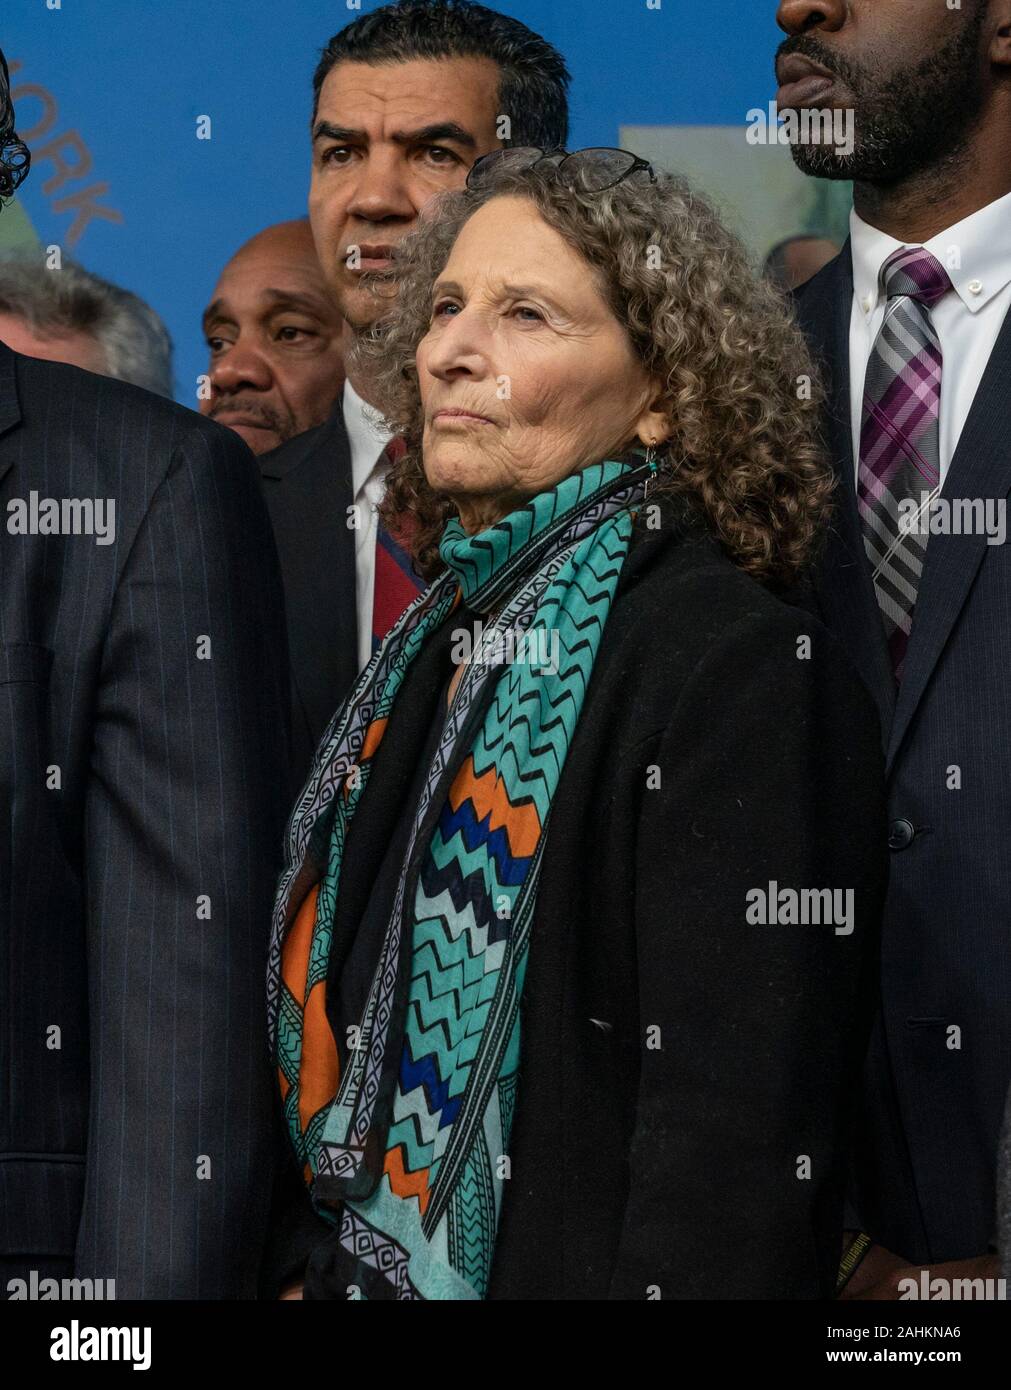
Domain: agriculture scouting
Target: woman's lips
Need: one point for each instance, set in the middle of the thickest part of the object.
(804, 91)
(459, 417)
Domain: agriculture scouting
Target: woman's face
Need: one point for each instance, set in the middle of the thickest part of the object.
(526, 376)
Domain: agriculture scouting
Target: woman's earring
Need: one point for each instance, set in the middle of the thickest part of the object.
(651, 460)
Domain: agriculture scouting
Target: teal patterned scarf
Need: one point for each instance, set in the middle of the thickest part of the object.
(406, 1152)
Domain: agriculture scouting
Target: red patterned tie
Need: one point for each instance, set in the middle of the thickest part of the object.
(395, 583)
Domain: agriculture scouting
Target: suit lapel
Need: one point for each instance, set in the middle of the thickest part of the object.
(981, 468)
(845, 590)
(10, 410)
(308, 488)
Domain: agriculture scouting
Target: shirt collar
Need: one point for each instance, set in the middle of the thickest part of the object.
(367, 437)
(982, 242)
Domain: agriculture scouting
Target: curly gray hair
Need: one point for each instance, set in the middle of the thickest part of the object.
(738, 384)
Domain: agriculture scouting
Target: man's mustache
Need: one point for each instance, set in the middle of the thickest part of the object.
(235, 405)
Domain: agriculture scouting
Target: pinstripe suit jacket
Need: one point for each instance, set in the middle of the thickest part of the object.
(143, 711)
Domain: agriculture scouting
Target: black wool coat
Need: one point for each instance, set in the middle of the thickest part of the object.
(686, 1076)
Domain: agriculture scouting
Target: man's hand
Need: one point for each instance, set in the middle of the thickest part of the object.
(292, 1290)
(879, 1273)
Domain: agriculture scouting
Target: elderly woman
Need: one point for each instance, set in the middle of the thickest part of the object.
(568, 980)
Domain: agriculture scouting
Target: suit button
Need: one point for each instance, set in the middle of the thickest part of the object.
(900, 834)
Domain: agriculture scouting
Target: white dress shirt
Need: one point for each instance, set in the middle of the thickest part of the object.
(368, 438)
(976, 253)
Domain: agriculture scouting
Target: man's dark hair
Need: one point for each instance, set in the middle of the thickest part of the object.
(14, 155)
(534, 79)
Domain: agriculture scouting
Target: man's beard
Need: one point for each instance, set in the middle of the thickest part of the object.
(905, 121)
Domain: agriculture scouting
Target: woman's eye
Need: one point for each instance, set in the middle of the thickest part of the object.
(442, 307)
(534, 315)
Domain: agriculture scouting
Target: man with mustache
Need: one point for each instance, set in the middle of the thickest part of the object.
(274, 335)
(911, 324)
(405, 99)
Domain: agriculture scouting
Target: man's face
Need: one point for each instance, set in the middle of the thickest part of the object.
(386, 139)
(913, 73)
(79, 349)
(274, 335)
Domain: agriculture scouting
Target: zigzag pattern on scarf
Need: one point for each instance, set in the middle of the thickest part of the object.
(453, 1079)
(452, 987)
(473, 860)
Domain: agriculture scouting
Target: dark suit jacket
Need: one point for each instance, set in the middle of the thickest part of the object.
(307, 485)
(141, 795)
(681, 1166)
(940, 1060)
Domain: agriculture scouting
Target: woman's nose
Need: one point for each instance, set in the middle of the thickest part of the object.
(460, 347)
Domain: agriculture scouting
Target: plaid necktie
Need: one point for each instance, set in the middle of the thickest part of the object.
(394, 584)
(899, 449)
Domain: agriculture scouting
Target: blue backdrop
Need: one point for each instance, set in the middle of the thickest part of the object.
(108, 93)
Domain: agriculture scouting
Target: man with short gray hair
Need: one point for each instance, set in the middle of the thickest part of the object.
(71, 315)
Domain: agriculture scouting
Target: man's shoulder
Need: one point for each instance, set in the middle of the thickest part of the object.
(113, 429)
(323, 440)
(55, 396)
(47, 390)
(823, 288)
